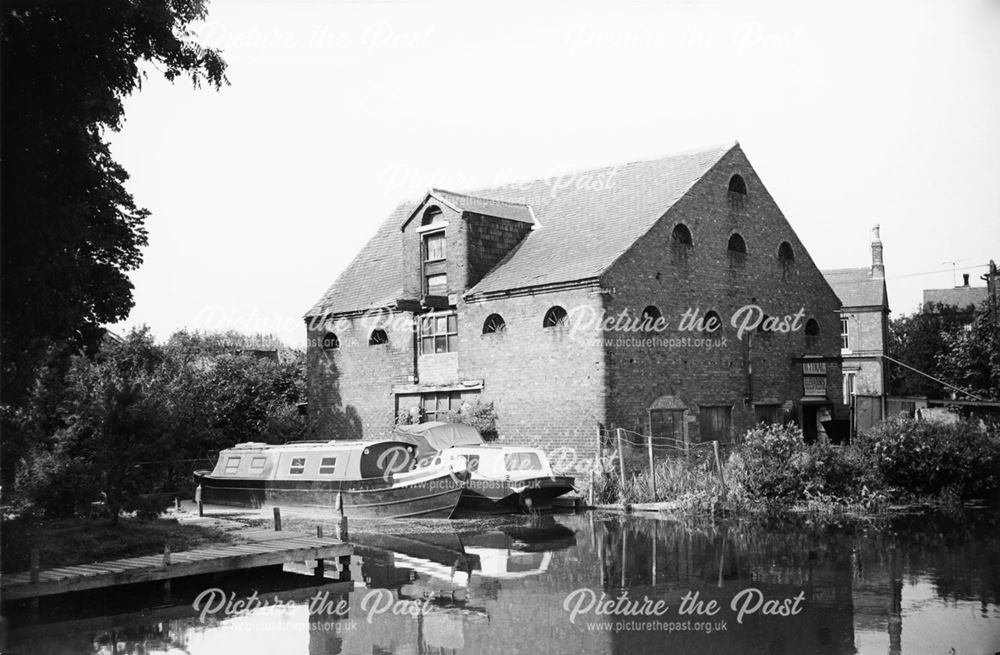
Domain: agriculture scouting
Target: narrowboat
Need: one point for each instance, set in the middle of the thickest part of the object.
(503, 478)
(368, 478)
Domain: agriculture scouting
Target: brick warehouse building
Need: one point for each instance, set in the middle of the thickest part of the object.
(496, 296)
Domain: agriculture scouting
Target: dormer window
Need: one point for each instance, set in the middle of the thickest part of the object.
(435, 263)
(435, 247)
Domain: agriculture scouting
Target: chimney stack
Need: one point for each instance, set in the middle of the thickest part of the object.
(878, 268)
(965, 279)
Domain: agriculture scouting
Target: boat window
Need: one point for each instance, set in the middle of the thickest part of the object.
(298, 466)
(327, 466)
(257, 464)
(232, 464)
(472, 463)
(526, 461)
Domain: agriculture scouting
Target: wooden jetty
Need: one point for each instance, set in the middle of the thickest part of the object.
(264, 548)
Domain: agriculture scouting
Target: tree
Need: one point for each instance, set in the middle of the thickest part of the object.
(130, 422)
(70, 231)
(971, 357)
(958, 346)
(917, 340)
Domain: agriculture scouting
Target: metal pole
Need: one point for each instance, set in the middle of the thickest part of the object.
(652, 470)
(621, 462)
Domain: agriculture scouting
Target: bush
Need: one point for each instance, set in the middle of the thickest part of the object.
(775, 465)
(932, 459)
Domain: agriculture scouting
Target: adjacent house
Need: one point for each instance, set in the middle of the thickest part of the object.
(669, 297)
(864, 323)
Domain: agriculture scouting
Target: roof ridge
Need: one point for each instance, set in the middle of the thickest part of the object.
(720, 147)
(494, 201)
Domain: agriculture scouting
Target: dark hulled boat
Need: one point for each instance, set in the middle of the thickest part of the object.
(371, 478)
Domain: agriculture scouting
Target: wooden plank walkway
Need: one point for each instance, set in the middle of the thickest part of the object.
(266, 548)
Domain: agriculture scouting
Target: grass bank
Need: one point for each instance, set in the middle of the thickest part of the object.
(69, 541)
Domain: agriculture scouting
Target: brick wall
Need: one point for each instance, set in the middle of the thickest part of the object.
(350, 388)
(707, 278)
(547, 384)
(866, 337)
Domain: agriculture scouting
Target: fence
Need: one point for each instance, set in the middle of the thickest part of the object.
(632, 453)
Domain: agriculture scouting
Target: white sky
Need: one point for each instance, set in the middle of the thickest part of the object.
(853, 114)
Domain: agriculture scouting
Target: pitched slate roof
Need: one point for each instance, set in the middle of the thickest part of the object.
(960, 297)
(857, 288)
(584, 222)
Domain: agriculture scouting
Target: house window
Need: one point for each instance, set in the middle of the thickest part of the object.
(666, 426)
(737, 244)
(438, 405)
(848, 387)
(437, 285)
(232, 465)
(257, 464)
(298, 466)
(651, 318)
(845, 343)
(681, 235)
(812, 333)
(737, 185)
(494, 324)
(327, 466)
(439, 334)
(378, 338)
(435, 247)
(330, 341)
(555, 317)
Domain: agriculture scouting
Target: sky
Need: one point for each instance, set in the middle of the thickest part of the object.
(853, 114)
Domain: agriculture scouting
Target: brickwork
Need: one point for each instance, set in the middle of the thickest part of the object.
(714, 371)
(553, 386)
(866, 338)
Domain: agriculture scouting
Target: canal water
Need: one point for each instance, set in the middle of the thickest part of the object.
(586, 583)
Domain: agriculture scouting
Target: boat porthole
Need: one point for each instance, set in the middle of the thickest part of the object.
(367, 451)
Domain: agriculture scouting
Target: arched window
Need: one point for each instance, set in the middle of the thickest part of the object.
(494, 324)
(378, 338)
(812, 333)
(555, 317)
(785, 253)
(737, 244)
(330, 341)
(681, 235)
(712, 321)
(431, 215)
(650, 315)
(737, 185)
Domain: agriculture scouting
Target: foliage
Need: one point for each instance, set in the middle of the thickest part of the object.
(71, 232)
(480, 415)
(930, 459)
(970, 358)
(936, 340)
(127, 424)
